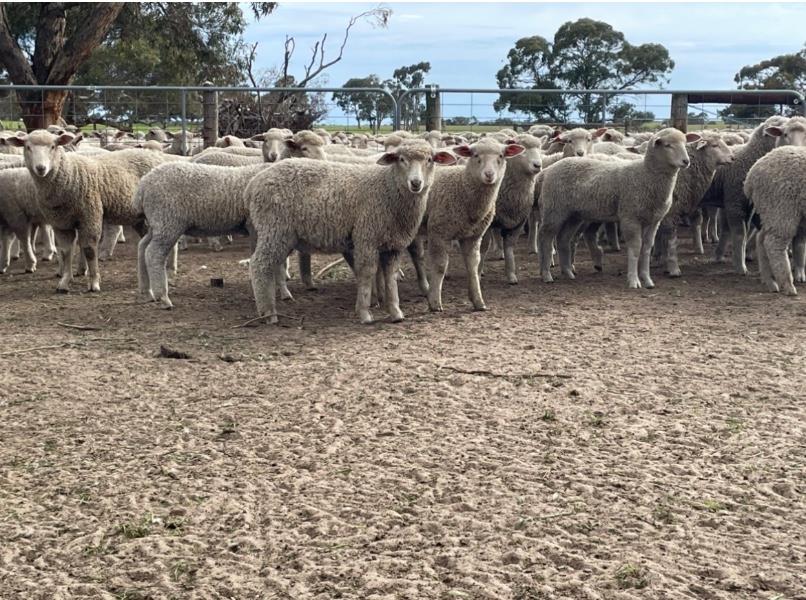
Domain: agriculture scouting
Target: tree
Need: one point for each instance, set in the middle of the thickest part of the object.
(365, 106)
(784, 72)
(625, 111)
(125, 44)
(411, 107)
(585, 54)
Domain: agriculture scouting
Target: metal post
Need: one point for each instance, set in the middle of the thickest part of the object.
(433, 109)
(184, 118)
(604, 109)
(210, 113)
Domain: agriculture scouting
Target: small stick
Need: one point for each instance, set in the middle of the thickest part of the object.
(328, 267)
(486, 373)
(35, 348)
(250, 321)
(80, 327)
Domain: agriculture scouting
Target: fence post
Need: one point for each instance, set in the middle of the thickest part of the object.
(604, 109)
(680, 112)
(433, 109)
(210, 115)
(184, 104)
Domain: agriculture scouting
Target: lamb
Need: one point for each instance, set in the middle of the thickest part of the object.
(211, 203)
(726, 190)
(515, 201)
(77, 192)
(706, 155)
(461, 206)
(229, 141)
(181, 143)
(20, 215)
(8, 148)
(156, 134)
(637, 194)
(368, 213)
(612, 135)
(776, 187)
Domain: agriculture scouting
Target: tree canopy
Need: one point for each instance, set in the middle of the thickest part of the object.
(584, 54)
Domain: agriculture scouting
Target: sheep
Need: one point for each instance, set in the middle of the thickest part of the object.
(637, 194)
(726, 189)
(8, 148)
(20, 215)
(731, 138)
(79, 193)
(434, 138)
(229, 141)
(181, 143)
(541, 131)
(324, 134)
(156, 134)
(775, 185)
(608, 148)
(515, 201)
(706, 155)
(212, 203)
(612, 135)
(368, 213)
(226, 159)
(461, 206)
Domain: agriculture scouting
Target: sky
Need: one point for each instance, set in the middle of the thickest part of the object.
(467, 43)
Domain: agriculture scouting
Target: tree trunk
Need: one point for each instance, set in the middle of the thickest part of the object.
(39, 110)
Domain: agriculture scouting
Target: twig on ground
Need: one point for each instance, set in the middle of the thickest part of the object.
(486, 373)
(80, 327)
(66, 345)
(250, 321)
(328, 267)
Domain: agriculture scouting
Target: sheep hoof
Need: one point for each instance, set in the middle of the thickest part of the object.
(166, 304)
(286, 295)
(94, 288)
(598, 268)
(368, 320)
(145, 297)
(800, 277)
(397, 317)
(771, 286)
(47, 258)
(480, 307)
(435, 307)
(512, 280)
(633, 284)
(649, 284)
(548, 279)
(675, 273)
(61, 290)
(30, 269)
(569, 274)
(791, 291)
(2, 271)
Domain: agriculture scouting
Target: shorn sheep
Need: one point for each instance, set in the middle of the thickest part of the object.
(636, 193)
(368, 213)
(461, 206)
(78, 193)
(211, 203)
(776, 185)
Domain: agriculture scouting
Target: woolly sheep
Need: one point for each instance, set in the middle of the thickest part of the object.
(776, 185)
(612, 135)
(8, 148)
(229, 141)
(515, 200)
(20, 214)
(637, 194)
(726, 190)
(708, 153)
(212, 203)
(461, 206)
(368, 213)
(78, 192)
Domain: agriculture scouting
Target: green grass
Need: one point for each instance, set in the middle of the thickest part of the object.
(632, 576)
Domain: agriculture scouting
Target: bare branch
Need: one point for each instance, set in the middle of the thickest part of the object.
(11, 55)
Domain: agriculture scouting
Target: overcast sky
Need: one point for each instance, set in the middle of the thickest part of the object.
(466, 43)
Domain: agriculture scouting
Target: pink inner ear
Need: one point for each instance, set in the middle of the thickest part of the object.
(463, 150)
(599, 131)
(444, 158)
(513, 150)
(692, 137)
(774, 131)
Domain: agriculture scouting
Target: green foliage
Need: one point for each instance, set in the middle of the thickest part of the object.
(412, 107)
(368, 107)
(585, 54)
(625, 111)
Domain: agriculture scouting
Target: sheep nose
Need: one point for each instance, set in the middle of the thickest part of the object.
(416, 184)
(272, 156)
(489, 176)
(580, 153)
(40, 169)
(686, 163)
(536, 166)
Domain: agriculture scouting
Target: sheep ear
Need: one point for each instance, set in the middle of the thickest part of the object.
(78, 139)
(444, 158)
(388, 158)
(120, 134)
(97, 134)
(260, 137)
(16, 140)
(64, 139)
(513, 150)
(600, 131)
(693, 137)
(292, 144)
(556, 134)
(773, 131)
(633, 149)
(169, 135)
(701, 143)
(463, 150)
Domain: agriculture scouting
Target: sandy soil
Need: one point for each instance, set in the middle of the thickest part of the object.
(579, 440)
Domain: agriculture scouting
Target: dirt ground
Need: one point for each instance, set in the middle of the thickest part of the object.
(576, 441)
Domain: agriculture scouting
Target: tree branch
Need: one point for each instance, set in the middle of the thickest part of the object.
(79, 47)
(49, 37)
(12, 56)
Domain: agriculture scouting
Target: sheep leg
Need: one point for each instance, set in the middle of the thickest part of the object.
(304, 260)
(722, 244)
(173, 266)
(15, 248)
(88, 242)
(647, 239)
(532, 243)
(366, 264)
(509, 238)
(6, 239)
(27, 249)
(156, 260)
(48, 241)
(565, 238)
(632, 236)
(378, 288)
(499, 253)
(696, 231)
(713, 224)
(214, 244)
(65, 239)
(388, 269)
(109, 239)
(471, 252)
(611, 232)
(596, 252)
(281, 277)
(764, 268)
(672, 263)
(750, 243)
(738, 235)
(417, 251)
(264, 265)
(776, 247)
(546, 238)
(143, 281)
(799, 256)
(437, 265)
(486, 244)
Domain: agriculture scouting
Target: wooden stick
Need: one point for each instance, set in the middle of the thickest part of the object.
(250, 321)
(486, 373)
(35, 348)
(328, 267)
(80, 327)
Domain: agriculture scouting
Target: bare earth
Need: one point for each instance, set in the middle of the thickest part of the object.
(579, 440)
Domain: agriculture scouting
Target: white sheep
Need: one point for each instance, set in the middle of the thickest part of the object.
(20, 215)
(776, 185)
(368, 213)
(211, 203)
(78, 192)
(637, 194)
(461, 206)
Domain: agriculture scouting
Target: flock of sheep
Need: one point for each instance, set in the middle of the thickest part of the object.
(371, 199)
